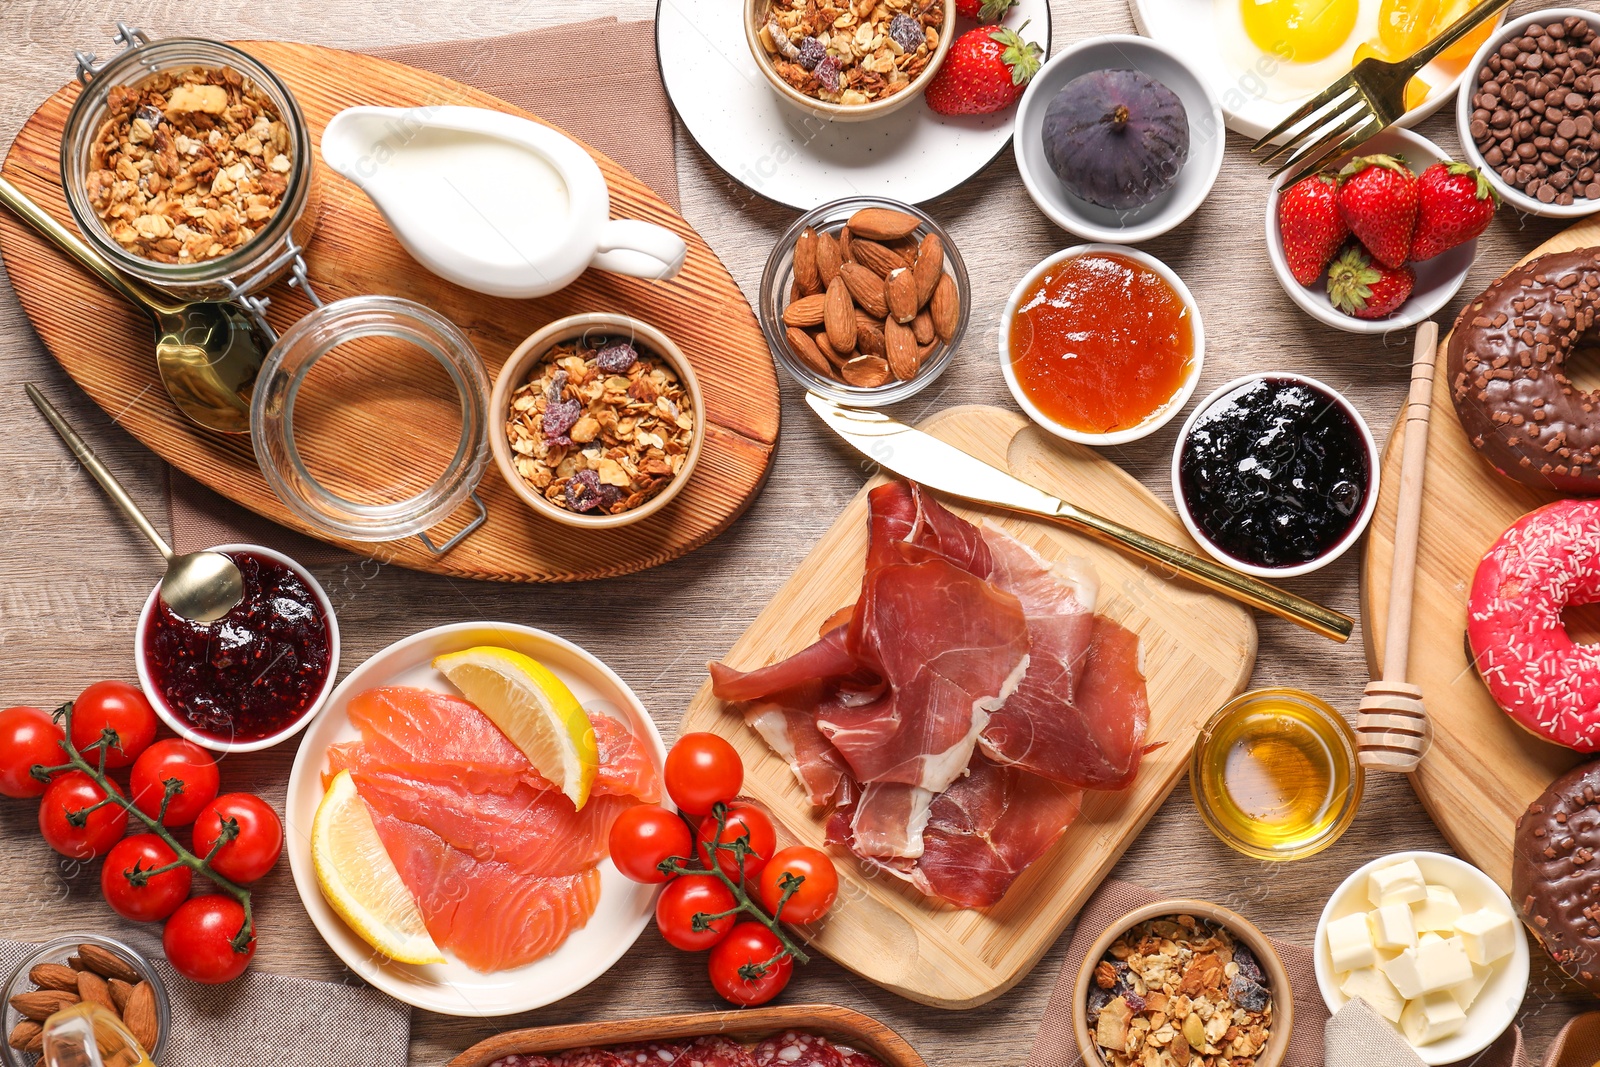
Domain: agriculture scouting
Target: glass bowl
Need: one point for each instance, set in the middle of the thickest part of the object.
(778, 278)
(267, 256)
(59, 951)
(1295, 731)
(373, 456)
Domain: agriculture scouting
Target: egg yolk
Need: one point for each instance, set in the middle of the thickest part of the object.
(1406, 25)
(1299, 31)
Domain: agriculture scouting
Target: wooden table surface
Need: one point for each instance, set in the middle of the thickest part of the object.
(73, 573)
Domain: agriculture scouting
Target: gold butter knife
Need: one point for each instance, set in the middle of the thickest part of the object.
(929, 461)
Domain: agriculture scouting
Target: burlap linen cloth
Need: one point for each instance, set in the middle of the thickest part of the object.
(598, 81)
(1356, 1037)
(269, 1020)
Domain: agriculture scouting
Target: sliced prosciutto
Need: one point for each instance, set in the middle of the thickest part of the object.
(787, 722)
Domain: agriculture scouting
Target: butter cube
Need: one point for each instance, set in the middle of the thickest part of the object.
(1431, 1017)
(1392, 926)
(1487, 934)
(1436, 963)
(1370, 985)
(1350, 943)
(1468, 991)
(1400, 883)
(1439, 910)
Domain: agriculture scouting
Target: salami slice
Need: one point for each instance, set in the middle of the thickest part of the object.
(716, 1052)
(856, 1058)
(654, 1054)
(795, 1049)
(586, 1057)
(521, 1059)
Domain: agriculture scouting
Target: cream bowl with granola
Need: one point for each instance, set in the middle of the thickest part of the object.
(872, 58)
(596, 420)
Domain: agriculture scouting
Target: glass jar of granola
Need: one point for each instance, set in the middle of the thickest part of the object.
(188, 164)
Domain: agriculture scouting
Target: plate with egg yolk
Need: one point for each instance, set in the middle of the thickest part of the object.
(1264, 58)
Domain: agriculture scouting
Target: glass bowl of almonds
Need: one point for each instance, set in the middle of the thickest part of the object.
(596, 421)
(69, 970)
(864, 301)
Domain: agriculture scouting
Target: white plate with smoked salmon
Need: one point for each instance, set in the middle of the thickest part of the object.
(417, 821)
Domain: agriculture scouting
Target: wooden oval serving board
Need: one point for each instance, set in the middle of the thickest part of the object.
(105, 344)
(1198, 652)
(1482, 770)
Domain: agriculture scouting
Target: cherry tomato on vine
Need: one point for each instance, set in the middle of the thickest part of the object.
(157, 897)
(742, 818)
(645, 835)
(815, 896)
(199, 937)
(701, 770)
(253, 852)
(116, 706)
(678, 904)
(75, 791)
(28, 738)
(742, 971)
(186, 761)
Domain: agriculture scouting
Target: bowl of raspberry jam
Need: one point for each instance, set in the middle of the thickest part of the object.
(253, 678)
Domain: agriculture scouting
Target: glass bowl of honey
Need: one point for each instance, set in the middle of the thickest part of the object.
(1274, 774)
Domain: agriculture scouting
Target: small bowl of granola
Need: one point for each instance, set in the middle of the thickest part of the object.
(1190, 978)
(870, 59)
(597, 420)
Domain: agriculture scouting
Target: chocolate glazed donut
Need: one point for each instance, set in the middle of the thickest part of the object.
(1555, 872)
(1506, 355)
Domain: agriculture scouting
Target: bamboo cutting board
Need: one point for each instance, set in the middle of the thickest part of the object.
(105, 345)
(1198, 651)
(1482, 770)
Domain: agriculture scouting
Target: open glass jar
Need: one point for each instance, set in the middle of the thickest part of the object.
(175, 158)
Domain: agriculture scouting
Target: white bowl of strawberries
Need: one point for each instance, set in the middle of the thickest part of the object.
(1383, 239)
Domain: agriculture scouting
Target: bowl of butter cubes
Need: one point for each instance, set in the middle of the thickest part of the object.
(1432, 945)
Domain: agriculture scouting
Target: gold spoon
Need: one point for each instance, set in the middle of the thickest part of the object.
(208, 352)
(201, 586)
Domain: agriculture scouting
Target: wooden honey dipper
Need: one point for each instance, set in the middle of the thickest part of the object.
(1392, 725)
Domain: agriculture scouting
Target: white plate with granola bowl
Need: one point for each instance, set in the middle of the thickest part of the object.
(775, 149)
(453, 988)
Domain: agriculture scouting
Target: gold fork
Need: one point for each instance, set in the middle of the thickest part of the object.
(1362, 104)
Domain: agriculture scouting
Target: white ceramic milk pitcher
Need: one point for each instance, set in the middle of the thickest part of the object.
(491, 201)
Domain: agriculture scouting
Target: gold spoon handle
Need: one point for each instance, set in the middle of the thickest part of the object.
(1225, 580)
(92, 464)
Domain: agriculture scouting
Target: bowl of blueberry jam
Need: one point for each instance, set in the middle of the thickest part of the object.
(1275, 474)
(256, 676)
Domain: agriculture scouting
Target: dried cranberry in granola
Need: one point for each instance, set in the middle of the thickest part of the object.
(851, 52)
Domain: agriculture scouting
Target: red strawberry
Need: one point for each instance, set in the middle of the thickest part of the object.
(1311, 226)
(1366, 289)
(1454, 205)
(1378, 198)
(986, 70)
(984, 10)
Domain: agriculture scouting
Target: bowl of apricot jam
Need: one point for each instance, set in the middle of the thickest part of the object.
(1101, 344)
(253, 678)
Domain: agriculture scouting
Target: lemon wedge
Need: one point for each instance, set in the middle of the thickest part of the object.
(361, 882)
(532, 707)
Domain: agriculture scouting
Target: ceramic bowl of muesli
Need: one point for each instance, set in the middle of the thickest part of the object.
(1193, 980)
(596, 421)
(873, 58)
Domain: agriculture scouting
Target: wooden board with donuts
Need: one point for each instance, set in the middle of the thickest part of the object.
(1509, 546)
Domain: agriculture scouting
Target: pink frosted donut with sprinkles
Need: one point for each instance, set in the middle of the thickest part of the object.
(1547, 682)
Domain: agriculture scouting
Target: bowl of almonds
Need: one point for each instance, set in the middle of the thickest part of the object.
(71, 970)
(864, 301)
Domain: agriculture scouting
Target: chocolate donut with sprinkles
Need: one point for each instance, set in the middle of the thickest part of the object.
(1507, 374)
(1548, 683)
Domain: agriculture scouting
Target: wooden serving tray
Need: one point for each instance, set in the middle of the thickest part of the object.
(1198, 652)
(1483, 770)
(751, 1024)
(105, 344)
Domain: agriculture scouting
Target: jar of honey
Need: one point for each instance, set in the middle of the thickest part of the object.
(1274, 774)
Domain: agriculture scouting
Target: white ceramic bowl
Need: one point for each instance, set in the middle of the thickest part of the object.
(1469, 85)
(1369, 504)
(453, 988)
(1206, 137)
(1438, 279)
(1156, 420)
(158, 701)
(1497, 1004)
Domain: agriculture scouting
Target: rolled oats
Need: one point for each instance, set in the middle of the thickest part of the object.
(1179, 992)
(189, 164)
(851, 52)
(600, 426)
